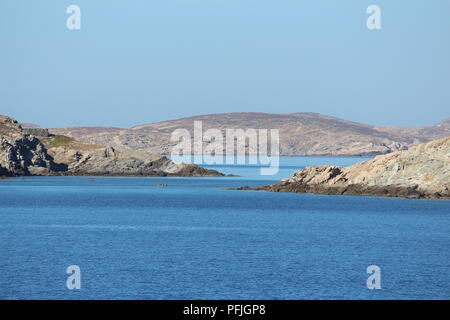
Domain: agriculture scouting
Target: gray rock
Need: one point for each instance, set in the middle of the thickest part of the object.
(39, 132)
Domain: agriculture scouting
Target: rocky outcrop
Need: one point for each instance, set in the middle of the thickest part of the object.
(39, 132)
(421, 172)
(25, 154)
(107, 161)
(302, 134)
(22, 154)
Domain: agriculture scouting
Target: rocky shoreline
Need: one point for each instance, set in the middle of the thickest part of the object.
(22, 154)
(421, 172)
(391, 191)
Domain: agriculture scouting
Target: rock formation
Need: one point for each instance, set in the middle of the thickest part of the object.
(421, 172)
(38, 132)
(88, 160)
(25, 154)
(22, 154)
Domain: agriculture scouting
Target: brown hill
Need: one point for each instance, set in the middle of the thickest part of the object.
(300, 133)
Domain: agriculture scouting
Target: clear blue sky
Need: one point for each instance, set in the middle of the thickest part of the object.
(140, 61)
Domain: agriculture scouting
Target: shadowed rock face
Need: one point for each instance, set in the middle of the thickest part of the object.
(24, 154)
(421, 172)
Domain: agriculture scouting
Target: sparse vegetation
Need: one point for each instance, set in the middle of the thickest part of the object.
(59, 141)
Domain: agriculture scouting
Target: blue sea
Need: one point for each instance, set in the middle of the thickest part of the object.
(193, 239)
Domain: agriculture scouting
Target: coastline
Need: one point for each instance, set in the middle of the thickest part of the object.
(420, 172)
(354, 190)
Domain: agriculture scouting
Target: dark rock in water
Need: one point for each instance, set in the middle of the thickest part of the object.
(192, 170)
(245, 188)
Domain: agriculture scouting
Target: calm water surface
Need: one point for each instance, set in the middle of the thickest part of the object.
(195, 240)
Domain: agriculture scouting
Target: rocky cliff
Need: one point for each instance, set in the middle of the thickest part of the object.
(22, 154)
(309, 134)
(421, 172)
(25, 154)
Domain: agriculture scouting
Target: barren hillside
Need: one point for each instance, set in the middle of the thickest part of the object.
(300, 133)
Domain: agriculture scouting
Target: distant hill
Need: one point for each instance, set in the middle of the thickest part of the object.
(300, 133)
(30, 125)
